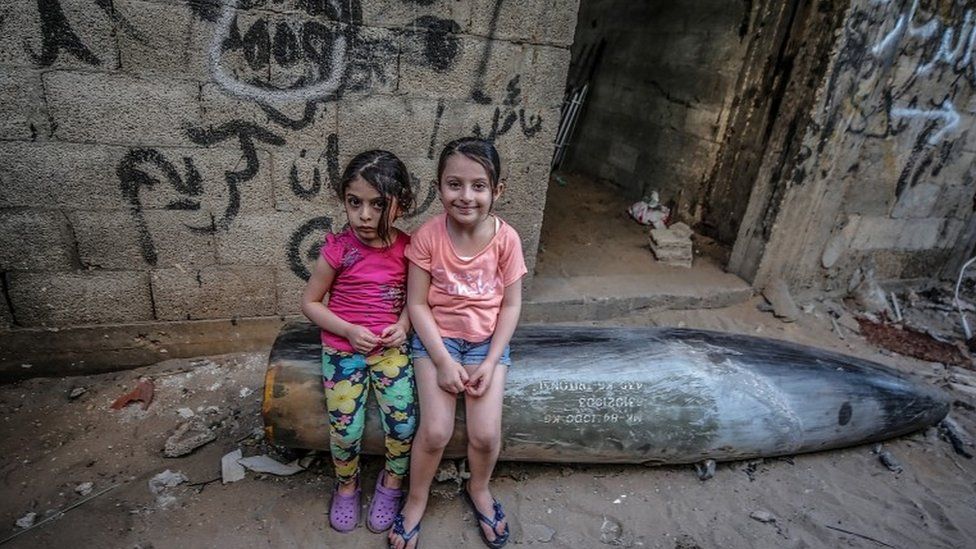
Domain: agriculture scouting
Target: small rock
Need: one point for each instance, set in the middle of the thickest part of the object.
(185, 413)
(889, 461)
(705, 469)
(164, 480)
(77, 392)
(611, 532)
(762, 516)
(27, 520)
(778, 295)
(538, 532)
(246, 392)
(188, 437)
(447, 470)
(230, 469)
(84, 488)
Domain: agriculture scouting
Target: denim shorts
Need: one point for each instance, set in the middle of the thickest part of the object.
(464, 352)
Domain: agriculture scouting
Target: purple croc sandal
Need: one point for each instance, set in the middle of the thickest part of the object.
(344, 511)
(384, 507)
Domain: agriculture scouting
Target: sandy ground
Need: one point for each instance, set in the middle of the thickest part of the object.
(51, 444)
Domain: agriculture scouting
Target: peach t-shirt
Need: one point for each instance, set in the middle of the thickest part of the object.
(466, 293)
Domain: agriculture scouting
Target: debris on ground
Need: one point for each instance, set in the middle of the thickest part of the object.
(447, 471)
(951, 432)
(266, 464)
(887, 459)
(189, 436)
(762, 516)
(777, 293)
(650, 211)
(142, 393)
(611, 531)
(230, 469)
(27, 520)
(84, 488)
(76, 392)
(867, 293)
(672, 245)
(705, 469)
(911, 342)
(184, 413)
(161, 483)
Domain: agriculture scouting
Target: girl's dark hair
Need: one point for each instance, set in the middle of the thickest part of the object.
(387, 174)
(479, 150)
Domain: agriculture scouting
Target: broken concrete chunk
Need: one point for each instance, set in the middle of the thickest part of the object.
(27, 520)
(164, 480)
(189, 436)
(778, 295)
(673, 245)
(265, 464)
(762, 516)
(77, 392)
(84, 488)
(230, 469)
(705, 469)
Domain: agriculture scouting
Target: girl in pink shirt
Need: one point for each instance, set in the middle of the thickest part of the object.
(364, 331)
(464, 297)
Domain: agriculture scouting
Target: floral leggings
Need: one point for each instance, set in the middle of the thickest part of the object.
(347, 377)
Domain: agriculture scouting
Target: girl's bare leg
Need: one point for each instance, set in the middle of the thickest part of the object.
(434, 432)
(484, 421)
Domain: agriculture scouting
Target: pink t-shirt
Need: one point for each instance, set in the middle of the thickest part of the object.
(466, 293)
(370, 285)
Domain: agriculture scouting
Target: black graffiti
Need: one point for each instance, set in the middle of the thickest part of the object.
(437, 129)
(428, 200)
(300, 252)
(332, 162)
(477, 92)
(503, 121)
(282, 119)
(133, 177)
(246, 133)
(57, 35)
(441, 43)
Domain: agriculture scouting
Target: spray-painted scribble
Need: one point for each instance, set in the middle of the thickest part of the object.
(503, 121)
(324, 51)
(331, 157)
(304, 245)
(57, 36)
(945, 113)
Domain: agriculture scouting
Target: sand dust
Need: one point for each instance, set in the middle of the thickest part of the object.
(52, 444)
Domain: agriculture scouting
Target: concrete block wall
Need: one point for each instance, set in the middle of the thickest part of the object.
(886, 173)
(658, 99)
(171, 160)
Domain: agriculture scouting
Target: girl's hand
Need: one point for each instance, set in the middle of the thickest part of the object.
(362, 339)
(480, 379)
(451, 377)
(393, 336)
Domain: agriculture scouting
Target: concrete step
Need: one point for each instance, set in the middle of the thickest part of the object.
(585, 298)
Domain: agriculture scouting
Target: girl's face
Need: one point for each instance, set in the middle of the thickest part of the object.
(364, 209)
(466, 191)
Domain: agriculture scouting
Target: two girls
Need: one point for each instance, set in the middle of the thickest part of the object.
(464, 299)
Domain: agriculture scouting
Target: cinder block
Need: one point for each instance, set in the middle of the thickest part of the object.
(400, 14)
(264, 239)
(534, 21)
(469, 74)
(213, 292)
(81, 35)
(22, 111)
(51, 175)
(288, 292)
(878, 233)
(115, 240)
(65, 299)
(35, 239)
(103, 108)
(542, 74)
(295, 123)
(401, 125)
(155, 39)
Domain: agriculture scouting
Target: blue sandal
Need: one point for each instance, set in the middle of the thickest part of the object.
(496, 507)
(399, 530)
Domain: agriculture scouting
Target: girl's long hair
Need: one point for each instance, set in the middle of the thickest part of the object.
(388, 175)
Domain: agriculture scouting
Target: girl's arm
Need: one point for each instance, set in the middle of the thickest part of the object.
(508, 317)
(361, 338)
(451, 376)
